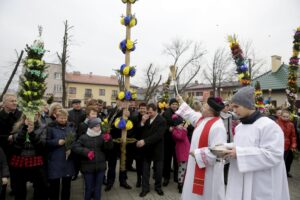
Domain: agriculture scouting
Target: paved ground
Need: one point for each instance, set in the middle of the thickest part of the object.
(171, 193)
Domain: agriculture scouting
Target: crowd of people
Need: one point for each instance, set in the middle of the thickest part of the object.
(60, 144)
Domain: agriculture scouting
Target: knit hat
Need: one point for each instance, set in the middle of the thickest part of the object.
(177, 120)
(215, 103)
(94, 122)
(173, 100)
(244, 97)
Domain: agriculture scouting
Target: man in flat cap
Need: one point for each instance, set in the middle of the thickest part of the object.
(257, 169)
(204, 177)
(76, 116)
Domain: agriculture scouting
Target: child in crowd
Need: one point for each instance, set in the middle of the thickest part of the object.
(91, 147)
(60, 136)
(4, 172)
(91, 113)
(182, 148)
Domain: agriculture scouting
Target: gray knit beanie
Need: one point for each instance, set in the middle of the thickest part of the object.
(94, 122)
(244, 97)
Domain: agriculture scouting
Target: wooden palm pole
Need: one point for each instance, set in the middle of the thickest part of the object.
(127, 46)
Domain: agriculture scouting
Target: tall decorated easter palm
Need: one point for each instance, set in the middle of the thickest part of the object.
(292, 88)
(126, 71)
(32, 84)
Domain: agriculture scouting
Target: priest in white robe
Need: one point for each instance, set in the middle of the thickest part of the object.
(204, 178)
(257, 170)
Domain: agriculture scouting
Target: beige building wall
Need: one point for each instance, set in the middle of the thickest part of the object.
(109, 97)
(54, 81)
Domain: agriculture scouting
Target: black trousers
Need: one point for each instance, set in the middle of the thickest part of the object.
(139, 167)
(35, 174)
(288, 159)
(3, 192)
(146, 174)
(54, 188)
(169, 155)
(112, 164)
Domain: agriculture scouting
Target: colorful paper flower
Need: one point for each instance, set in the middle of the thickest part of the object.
(121, 95)
(127, 45)
(129, 125)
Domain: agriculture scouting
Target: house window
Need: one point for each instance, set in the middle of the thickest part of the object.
(101, 92)
(72, 90)
(114, 93)
(57, 76)
(88, 93)
(199, 94)
(211, 93)
(57, 88)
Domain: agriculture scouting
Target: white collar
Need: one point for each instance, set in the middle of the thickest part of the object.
(92, 133)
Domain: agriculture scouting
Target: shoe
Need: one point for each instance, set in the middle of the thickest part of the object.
(125, 185)
(108, 188)
(289, 175)
(159, 192)
(166, 182)
(143, 193)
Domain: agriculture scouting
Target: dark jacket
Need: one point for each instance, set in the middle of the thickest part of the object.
(153, 135)
(82, 128)
(97, 144)
(7, 122)
(37, 139)
(168, 117)
(58, 165)
(112, 116)
(76, 117)
(4, 172)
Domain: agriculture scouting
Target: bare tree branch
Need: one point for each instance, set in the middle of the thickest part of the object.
(151, 77)
(257, 64)
(219, 71)
(186, 57)
(64, 58)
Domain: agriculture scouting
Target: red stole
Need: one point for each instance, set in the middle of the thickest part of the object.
(198, 185)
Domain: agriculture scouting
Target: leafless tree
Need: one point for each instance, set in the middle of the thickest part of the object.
(186, 57)
(64, 59)
(256, 65)
(219, 71)
(153, 80)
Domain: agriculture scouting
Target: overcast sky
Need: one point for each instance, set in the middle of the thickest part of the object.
(270, 24)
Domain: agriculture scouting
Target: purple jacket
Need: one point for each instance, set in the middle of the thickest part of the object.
(182, 144)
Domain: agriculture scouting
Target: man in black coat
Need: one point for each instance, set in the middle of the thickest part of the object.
(9, 115)
(114, 153)
(76, 115)
(132, 150)
(153, 127)
(169, 143)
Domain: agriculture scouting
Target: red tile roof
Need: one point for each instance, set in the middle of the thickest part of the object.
(77, 77)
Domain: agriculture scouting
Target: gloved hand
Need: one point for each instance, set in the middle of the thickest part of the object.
(91, 155)
(106, 137)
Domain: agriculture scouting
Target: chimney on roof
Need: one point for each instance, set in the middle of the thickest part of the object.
(76, 72)
(196, 82)
(276, 63)
(90, 74)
